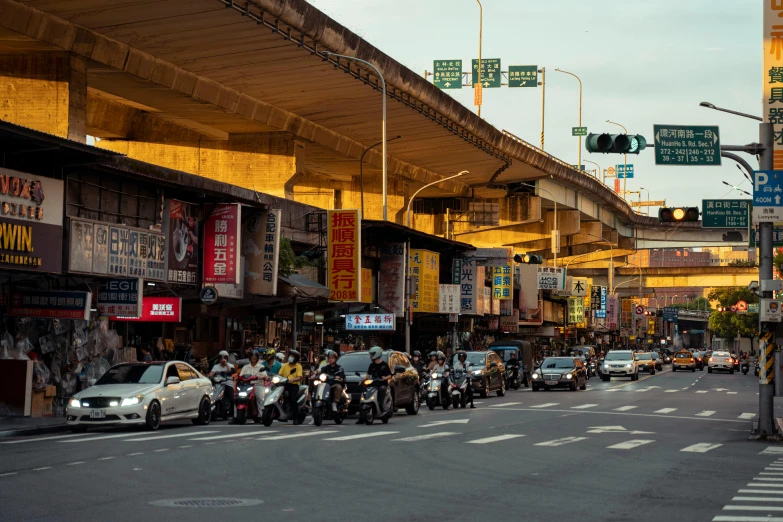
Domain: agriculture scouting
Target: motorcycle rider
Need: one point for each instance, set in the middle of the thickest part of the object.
(275, 361)
(440, 365)
(462, 364)
(418, 363)
(226, 370)
(335, 375)
(292, 370)
(378, 370)
(258, 368)
(433, 360)
(513, 362)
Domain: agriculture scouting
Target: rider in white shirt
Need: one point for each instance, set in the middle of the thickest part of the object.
(256, 367)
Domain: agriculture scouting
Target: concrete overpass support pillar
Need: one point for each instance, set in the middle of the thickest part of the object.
(45, 92)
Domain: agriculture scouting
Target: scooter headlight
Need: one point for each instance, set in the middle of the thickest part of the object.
(276, 380)
(322, 377)
(242, 394)
(435, 376)
(476, 372)
(367, 382)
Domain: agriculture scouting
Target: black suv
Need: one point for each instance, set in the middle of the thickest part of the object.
(487, 372)
(404, 384)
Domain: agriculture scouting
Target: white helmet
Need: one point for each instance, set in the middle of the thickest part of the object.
(223, 353)
(280, 356)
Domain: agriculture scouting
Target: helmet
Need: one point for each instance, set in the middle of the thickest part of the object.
(280, 356)
(223, 353)
(257, 353)
(433, 353)
(441, 355)
(294, 354)
(462, 355)
(416, 353)
(329, 353)
(375, 352)
(269, 354)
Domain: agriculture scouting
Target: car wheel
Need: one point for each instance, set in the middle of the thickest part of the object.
(731, 372)
(78, 429)
(709, 370)
(502, 390)
(204, 413)
(153, 416)
(485, 392)
(413, 408)
(693, 370)
(606, 379)
(573, 386)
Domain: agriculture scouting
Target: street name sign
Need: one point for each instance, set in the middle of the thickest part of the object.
(724, 213)
(767, 195)
(694, 145)
(652, 203)
(777, 238)
(447, 74)
(490, 73)
(522, 75)
(621, 171)
(578, 131)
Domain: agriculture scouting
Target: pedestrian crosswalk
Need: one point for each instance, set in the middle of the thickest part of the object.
(760, 500)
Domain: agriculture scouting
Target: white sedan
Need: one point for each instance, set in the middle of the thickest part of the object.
(720, 361)
(142, 393)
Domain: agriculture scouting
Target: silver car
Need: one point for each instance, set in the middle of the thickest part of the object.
(720, 361)
(620, 363)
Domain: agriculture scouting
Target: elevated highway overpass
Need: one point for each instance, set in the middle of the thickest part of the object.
(243, 92)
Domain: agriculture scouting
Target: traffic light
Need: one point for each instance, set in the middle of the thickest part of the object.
(530, 259)
(722, 309)
(678, 214)
(615, 143)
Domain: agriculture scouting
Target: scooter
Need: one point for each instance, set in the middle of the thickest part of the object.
(459, 388)
(512, 378)
(221, 404)
(370, 407)
(756, 369)
(326, 406)
(425, 382)
(276, 407)
(437, 391)
(745, 367)
(245, 393)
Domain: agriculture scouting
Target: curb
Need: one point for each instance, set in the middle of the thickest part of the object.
(38, 430)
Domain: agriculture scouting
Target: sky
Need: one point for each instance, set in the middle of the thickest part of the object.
(641, 63)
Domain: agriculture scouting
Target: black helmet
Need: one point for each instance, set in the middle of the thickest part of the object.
(416, 353)
(433, 353)
(294, 354)
(462, 355)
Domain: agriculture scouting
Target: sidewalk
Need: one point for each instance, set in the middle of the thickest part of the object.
(16, 426)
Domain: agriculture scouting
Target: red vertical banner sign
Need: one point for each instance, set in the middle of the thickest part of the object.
(344, 255)
(221, 244)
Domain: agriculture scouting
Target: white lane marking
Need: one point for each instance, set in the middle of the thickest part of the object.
(731, 393)
(364, 435)
(753, 508)
(702, 447)
(772, 450)
(479, 402)
(41, 469)
(774, 467)
(630, 444)
(160, 450)
(546, 405)
(101, 437)
(75, 463)
(425, 437)
(216, 437)
(209, 443)
(761, 491)
(134, 454)
(653, 415)
(293, 435)
(174, 436)
(441, 423)
(583, 406)
(746, 415)
(496, 438)
(44, 438)
(731, 518)
(772, 473)
(757, 499)
(504, 404)
(705, 413)
(760, 485)
(672, 391)
(106, 458)
(666, 410)
(702, 391)
(625, 408)
(561, 442)
(8, 474)
(769, 479)
(184, 447)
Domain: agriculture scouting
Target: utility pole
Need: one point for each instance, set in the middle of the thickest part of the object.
(766, 387)
(542, 83)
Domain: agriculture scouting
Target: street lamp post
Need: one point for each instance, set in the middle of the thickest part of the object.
(648, 199)
(579, 146)
(610, 278)
(407, 259)
(597, 172)
(327, 54)
(625, 158)
(361, 169)
(556, 230)
(481, 37)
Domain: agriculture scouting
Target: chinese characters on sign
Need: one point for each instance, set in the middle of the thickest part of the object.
(490, 72)
(612, 305)
(180, 225)
(261, 248)
(366, 285)
(772, 76)
(369, 322)
(522, 75)
(138, 247)
(156, 257)
(551, 278)
(120, 297)
(447, 74)
(221, 244)
(686, 145)
(502, 282)
(471, 280)
(55, 305)
(724, 213)
(425, 275)
(449, 299)
(119, 239)
(576, 310)
(392, 281)
(157, 310)
(344, 255)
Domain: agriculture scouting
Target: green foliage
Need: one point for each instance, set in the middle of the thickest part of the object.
(289, 261)
(728, 324)
(700, 303)
(777, 262)
(743, 262)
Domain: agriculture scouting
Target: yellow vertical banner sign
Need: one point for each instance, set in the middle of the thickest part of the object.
(425, 272)
(503, 282)
(366, 285)
(772, 74)
(344, 255)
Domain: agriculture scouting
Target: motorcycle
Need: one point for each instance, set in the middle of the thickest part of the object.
(221, 404)
(459, 388)
(756, 369)
(592, 370)
(245, 393)
(425, 382)
(326, 406)
(437, 393)
(512, 378)
(276, 407)
(370, 407)
(745, 367)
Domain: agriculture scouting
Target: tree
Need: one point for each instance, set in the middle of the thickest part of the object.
(289, 261)
(729, 324)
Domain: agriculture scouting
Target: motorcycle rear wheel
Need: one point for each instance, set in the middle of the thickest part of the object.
(455, 402)
(430, 403)
(369, 418)
(266, 416)
(339, 418)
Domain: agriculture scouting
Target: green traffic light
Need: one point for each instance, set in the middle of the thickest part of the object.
(615, 143)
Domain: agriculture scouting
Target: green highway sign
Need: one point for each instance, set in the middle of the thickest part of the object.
(522, 75)
(577, 167)
(447, 74)
(777, 238)
(490, 73)
(694, 145)
(753, 308)
(724, 213)
(578, 131)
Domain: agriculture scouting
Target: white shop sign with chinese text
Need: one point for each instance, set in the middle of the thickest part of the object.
(449, 302)
(370, 322)
(551, 278)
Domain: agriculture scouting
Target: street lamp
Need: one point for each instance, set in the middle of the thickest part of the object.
(557, 231)
(597, 166)
(625, 157)
(327, 54)
(737, 188)
(579, 155)
(428, 185)
(481, 37)
(361, 171)
(721, 109)
(611, 257)
(648, 199)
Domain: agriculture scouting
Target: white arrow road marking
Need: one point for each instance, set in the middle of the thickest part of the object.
(583, 406)
(666, 410)
(497, 438)
(630, 444)
(701, 448)
(705, 413)
(561, 442)
(425, 437)
(364, 435)
(616, 429)
(441, 423)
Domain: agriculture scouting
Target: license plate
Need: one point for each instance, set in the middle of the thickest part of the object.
(97, 414)
(551, 383)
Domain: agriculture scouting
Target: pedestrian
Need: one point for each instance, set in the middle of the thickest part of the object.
(145, 353)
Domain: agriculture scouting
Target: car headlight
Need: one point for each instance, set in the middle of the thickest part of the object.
(74, 403)
(534, 376)
(322, 377)
(606, 366)
(132, 401)
(628, 365)
(569, 375)
(242, 394)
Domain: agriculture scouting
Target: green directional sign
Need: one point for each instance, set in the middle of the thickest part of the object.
(777, 238)
(523, 76)
(578, 167)
(578, 131)
(490, 73)
(447, 74)
(724, 213)
(694, 145)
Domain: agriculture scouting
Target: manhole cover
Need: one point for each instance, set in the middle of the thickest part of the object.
(207, 502)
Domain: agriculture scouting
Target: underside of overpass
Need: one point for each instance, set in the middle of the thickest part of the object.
(242, 92)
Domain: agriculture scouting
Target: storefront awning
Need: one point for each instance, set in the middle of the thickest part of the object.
(301, 286)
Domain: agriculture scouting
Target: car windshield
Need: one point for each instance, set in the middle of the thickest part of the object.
(557, 362)
(684, 355)
(618, 356)
(504, 351)
(643, 356)
(720, 354)
(357, 362)
(132, 374)
(474, 358)
(654, 355)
